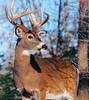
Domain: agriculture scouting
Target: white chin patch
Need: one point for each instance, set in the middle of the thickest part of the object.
(40, 45)
(61, 96)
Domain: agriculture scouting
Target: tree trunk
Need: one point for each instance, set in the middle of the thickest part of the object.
(83, 55)
(59, 32)
(84, 94)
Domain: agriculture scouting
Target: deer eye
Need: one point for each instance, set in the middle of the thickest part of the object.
(30, 37)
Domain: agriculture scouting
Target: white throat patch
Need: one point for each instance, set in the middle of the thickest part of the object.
(29, 52)
(25, 52)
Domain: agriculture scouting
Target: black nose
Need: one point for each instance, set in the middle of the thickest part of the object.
(44, 46)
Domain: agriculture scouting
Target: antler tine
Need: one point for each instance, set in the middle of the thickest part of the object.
(33, 18)
(42, 20)
(41, 11)
(24, 13)
(11, 10)
(7, 16)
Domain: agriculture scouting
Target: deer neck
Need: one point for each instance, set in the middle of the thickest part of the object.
(22, 53)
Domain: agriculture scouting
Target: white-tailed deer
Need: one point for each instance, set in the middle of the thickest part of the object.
(41, 78)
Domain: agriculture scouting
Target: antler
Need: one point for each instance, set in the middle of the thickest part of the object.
(33, 18)
(12, 16)
(32, 14)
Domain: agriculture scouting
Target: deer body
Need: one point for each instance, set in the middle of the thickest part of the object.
(42, 78)
(44, 75)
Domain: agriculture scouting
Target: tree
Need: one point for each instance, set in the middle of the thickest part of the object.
(83, 36)
(68, 24)
(83, 62)
(84, 20)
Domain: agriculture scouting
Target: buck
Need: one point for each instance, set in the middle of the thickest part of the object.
(36, 77)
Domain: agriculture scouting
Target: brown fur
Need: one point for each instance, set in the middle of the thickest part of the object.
(45, 74)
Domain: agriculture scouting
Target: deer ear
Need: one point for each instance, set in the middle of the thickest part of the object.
(41, 33)
(19, 32)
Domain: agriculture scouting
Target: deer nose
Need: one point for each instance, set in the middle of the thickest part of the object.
(44, 46)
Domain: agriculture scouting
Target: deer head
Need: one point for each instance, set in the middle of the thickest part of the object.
(28, 36)
(32, 17)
